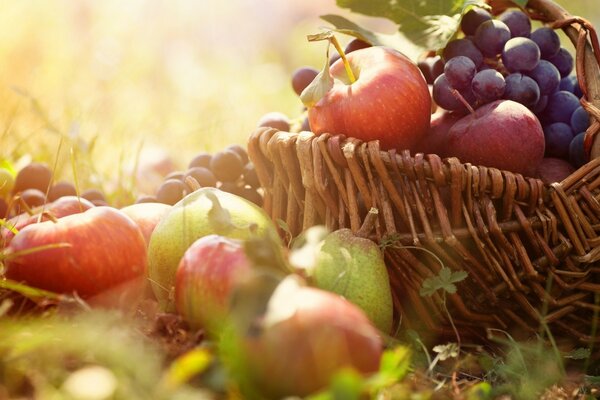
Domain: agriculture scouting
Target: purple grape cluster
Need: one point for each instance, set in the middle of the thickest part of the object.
(502, 58)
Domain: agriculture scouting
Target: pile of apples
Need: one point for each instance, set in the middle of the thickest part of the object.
(216, 259)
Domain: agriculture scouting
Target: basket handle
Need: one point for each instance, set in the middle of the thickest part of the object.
(584, 38)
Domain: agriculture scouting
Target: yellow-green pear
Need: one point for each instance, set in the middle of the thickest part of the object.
(354, 267)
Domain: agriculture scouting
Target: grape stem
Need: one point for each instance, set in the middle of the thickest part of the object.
(339, 49)
(460, 97)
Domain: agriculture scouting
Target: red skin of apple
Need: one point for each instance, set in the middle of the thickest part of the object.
(205, 278)
(66, 205)
(503, 134)
(389, 101)
(106, 249)
(553, 170)
(300, 355)
(146, 216)
(435, 140)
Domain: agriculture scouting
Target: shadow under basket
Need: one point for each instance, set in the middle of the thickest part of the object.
(532, 251)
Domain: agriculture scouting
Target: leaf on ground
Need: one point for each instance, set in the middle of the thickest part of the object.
(445, 280)
(446, 351)
(394, 366)
(185, 367)
(580, 353)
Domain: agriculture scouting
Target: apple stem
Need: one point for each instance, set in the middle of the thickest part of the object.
(368, 224)
(460, 97)
(339, 49)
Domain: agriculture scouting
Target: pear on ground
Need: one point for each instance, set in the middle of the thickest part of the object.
(203, 212)
(354, 267)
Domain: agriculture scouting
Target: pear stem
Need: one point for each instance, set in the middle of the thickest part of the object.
(460, 97)
(368, 224)
(339, 49)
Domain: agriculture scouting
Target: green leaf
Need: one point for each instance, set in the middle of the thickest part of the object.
(31, 292)
(446, 351)
(481, 391)
(580, 353)
(186, 366)
(323, 82)
(445, 280)
(429, 24)
(345, 26)
(347, 384)
(394, 366)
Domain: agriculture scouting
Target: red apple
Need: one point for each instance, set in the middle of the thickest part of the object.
(389, 101)
(436, 138)
(205, 278)
(59, 208)
(146, 216)
(503, 134)
(306, 336)
(104, 248)
(553, 170)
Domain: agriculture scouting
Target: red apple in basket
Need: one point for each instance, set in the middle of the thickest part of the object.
(503, 134)
(205, 278)
(63, 206)
(379, 94)
(86, 253)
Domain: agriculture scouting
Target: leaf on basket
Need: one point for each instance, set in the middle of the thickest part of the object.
(444, 280)
(429, 24)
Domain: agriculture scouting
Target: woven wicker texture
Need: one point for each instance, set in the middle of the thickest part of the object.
(531, 251)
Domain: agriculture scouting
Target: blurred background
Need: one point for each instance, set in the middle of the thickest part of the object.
(89, 85)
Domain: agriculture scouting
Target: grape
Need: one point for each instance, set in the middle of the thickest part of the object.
(567, 83)
(146, 199)
(60, 189)
(333, 58)
(203, 176)
(171, 191)
(250, 176)
(356, 44)
(473, 18)
(231, 187)
(547, 40)
(226, 165)
(302, 77)
(563, 61)
(240, 150)
(518, 22)
(560, 106)
(520, 54)
(463, 47)
(491, 36)
(443, 96)
(275, 120)
(200, 160)
(33, 197)
(577, 88)
(33, 176)
(99, 203)
(522, 89)
(305, 127)
(460, 71)
(540, 106)
(93, 194)
(546, 76)
(431, 67)
(252, 195)
(577, 155)
(179, 175)
(558, 137)
(580, 120)
(488, 85)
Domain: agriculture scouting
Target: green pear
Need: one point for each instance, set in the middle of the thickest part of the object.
(354, 267)
(203, 212)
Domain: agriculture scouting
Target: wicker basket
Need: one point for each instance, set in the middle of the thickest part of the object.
(532, 251)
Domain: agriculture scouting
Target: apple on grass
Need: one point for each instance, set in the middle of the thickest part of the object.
(87, 253)
(304, 338)
(375, 93)
(66, 205)
(205, 279)
(146, 216)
